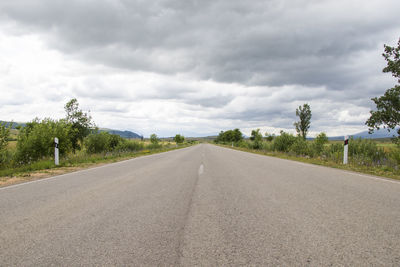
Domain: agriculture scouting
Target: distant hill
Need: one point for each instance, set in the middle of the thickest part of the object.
(381, 133)
(124, 134)
(14, 124)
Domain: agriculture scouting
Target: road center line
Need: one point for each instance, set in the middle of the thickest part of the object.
(201, 169)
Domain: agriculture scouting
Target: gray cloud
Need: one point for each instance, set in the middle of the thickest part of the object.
(280, 53)
(260, 43)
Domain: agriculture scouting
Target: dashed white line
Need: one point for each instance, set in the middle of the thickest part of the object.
(201, 169)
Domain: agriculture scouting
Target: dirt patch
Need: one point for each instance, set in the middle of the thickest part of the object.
(37, 175)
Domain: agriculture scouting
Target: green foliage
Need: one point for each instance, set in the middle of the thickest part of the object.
(114, 141)
(284, 141)
(4, 138)
(256, 137)
(300, 147)
(4, 135)
(366, 152)
(229, 136)
(319, 143)
(243, 144)
(387, 113)
(392, 57)
(302, 126)
(154, 139)
(179, 139)
(36, 139)
(129, 146)
(269, 137)
(81, 122)
(97, 142)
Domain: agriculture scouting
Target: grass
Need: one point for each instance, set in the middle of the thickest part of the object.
(80, 160)
(383, 171)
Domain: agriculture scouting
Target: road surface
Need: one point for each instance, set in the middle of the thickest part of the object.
(203, 205)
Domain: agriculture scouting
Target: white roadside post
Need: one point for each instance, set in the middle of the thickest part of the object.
(56, 157)
(232, 144)
(346, 149)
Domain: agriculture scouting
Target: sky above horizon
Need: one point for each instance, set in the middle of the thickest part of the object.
(197, 67)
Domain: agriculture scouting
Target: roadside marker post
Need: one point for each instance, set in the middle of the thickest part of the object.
(346, 149)
(56, 156)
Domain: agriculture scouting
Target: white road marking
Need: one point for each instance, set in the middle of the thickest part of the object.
(201, 169)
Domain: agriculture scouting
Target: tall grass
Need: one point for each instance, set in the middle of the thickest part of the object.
(363, 153)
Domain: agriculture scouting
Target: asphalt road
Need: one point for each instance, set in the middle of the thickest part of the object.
(204, 205)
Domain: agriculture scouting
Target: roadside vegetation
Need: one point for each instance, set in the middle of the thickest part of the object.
(365, 155)
(31, 148)
(380, 157)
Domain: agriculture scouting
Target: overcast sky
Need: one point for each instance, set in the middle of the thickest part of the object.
(197, 67)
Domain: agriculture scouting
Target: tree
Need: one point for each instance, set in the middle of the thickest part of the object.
(387, 113)
(81, 122)
(256, 137)
(179, 139)
(302, 126)
(229, 136)
(154, 139)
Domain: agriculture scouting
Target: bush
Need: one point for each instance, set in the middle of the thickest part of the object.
(243, 144)
(319, 143)
(154, 139)
(97, 142)
(129, 146)
(114, 141)
(4, 135)
(153, 146)
(283, 142)
(300, 147)
(256, 137)
(179, 139)
(36, 140)
(366, 152)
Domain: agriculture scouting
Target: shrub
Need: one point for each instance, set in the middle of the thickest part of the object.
(179, 139)
(300, 147)
(283, 142)
(114, 141)
(319, 143)
(256, 137)
(153, 146)
(243, 144)
(154, 139)
(97, 142)
(267, 146)
(129, 146)
(366, 152)
(269, 137)
(4, 135)
(36, 140)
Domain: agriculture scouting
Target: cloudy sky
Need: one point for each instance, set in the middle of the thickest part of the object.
(197, 66)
